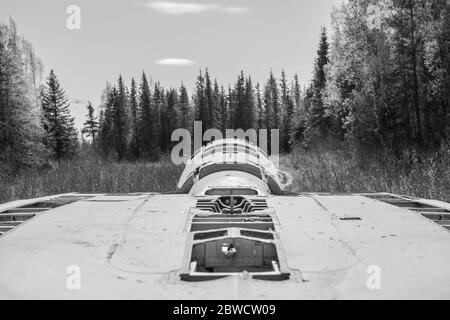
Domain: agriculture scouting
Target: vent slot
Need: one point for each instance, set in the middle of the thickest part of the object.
(12, 218)
(259, 235)
(210, 235)
(438, 215)
(231, 205)
(350, 219)
(217, 222)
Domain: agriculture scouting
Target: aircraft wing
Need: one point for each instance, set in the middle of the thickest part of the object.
(157, 246)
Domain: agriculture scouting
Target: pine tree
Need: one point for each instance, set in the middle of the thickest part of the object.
(106, 138)
(120, 120)
(223, 110)
(299, 117)
(201, 103)
(172, 114)
(272, 104)
(287, 111)
(259, 108)
(209, 123)
(134, 148)
(90, 126)
(58, 123)
(158, 107)
(185, 110)
(149, 143)
(249, 120)
(216, 106)
(318, 125)
(239, 107)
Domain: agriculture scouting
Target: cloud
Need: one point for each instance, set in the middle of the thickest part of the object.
(235, 10)
(179, 8)
(175, 62)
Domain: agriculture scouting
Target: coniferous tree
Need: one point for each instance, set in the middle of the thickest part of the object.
(58, 122)
(209, 96)
(120, 120)
(134, 119)
(158, 110)
(259, 108)
(249, 120)
(223, 110)
(318, 126)
(239, 107)
(216, 105)
(272, 104)
(231, 108)
(106, 123)
(91, 125)
(287, 111)
(149, 144)
(299, 118)
(171, 116)
(201, 103)
(185, 110)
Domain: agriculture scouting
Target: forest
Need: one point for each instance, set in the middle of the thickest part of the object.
(374, 117)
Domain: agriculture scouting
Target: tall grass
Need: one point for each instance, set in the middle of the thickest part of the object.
(425, 176)
(91, 175)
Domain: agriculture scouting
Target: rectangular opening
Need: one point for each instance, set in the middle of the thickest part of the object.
(210, 235)
(204, 226)
(6, 228)
(10, 223)
(431, 210)
(381, 197)
(255, 234)
(436, 216)
(409, 204)
(350, 219)
(54, 203)
(220, 221)
(15, 216)
(231, 191)
(25, 210)
(234, 220)
(234, 255)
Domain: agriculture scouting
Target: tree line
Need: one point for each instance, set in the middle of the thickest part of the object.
(386, 83)
(136, 121)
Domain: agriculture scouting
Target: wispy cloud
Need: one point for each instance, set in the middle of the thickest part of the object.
(235, 10)
(178, 8)
(175, 62)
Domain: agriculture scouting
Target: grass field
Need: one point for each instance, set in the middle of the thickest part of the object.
(92, 176)
(311, 172)
(428, 177)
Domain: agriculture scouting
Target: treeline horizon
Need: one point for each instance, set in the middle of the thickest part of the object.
(136, 122)
(376, 87)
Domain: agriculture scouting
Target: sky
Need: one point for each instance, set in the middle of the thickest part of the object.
(169, 40)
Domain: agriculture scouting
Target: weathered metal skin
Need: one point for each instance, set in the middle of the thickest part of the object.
(231, 234)
(238, 159)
